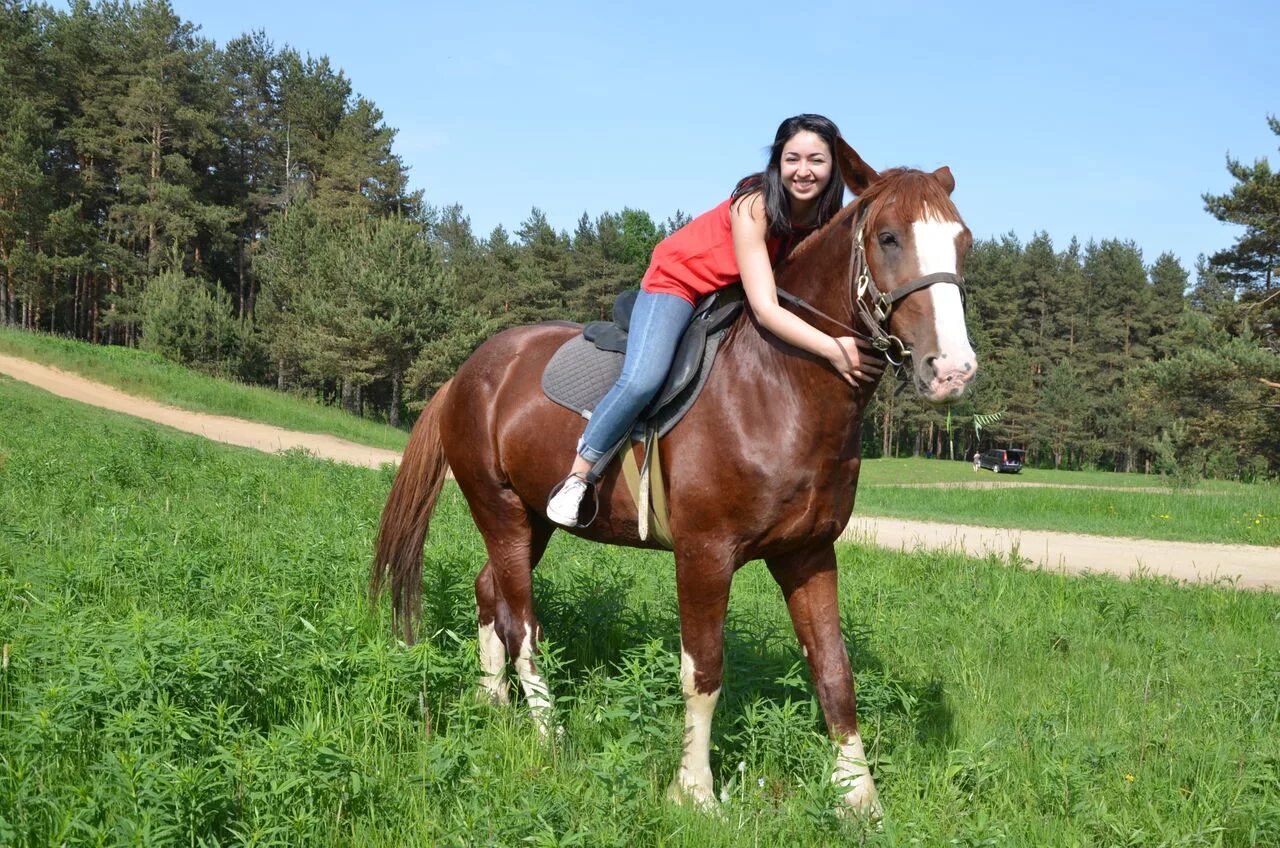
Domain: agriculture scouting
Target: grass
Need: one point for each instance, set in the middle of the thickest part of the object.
(191, 659)
(913, 471)
(152, 376)
(1218, 511)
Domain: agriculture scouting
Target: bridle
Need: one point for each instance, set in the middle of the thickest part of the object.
(872, 305)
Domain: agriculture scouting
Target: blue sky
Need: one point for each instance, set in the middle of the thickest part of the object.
(1099, 120)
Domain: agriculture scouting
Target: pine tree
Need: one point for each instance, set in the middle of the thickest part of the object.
(250, 176)
(1168, 290)
(1254, 203)
(1251, 264)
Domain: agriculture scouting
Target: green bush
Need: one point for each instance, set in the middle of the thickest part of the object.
(188, 321)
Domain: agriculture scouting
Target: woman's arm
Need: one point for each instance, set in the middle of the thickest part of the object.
(749, 231)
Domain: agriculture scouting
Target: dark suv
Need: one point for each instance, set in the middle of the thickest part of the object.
(999, 459)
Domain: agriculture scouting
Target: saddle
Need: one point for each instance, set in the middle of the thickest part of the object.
(584, 368)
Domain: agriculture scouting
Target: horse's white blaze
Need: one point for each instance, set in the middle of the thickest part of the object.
(535, 688)
(936, 253)
(493, 659)
(852, 773)
(694, 777)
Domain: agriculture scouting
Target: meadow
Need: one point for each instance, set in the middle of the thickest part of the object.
(189, 657)
(150, 375)
(1098, 502)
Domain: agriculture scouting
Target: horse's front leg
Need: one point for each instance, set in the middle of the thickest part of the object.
(808, 582)
(702, 586)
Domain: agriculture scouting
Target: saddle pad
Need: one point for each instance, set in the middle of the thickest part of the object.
(579, 374)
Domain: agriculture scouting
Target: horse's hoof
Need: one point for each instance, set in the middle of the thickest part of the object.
(549, 732)
(863, 802)
(696, 793)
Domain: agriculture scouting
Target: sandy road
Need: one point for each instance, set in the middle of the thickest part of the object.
(221, 428)
(1247, 565)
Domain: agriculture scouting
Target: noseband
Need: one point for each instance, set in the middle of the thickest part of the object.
(874, 306)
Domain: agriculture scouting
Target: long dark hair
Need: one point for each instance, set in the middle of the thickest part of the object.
(777, 203)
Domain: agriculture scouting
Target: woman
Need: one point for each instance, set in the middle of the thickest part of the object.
(741, 239)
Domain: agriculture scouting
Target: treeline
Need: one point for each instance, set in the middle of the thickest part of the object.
(241, 210)
(1089, 358)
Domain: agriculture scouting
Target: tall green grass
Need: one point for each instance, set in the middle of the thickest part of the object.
(192, 660)
(152, 376)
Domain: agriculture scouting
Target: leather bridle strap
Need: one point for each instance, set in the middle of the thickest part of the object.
(924, 283)
(876, 317)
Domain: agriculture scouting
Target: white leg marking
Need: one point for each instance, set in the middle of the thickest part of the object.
(693, 780)
(535, 689)
(493, 660)
(936, 253)
(852, 772)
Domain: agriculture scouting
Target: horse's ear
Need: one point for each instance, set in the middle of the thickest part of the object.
(857, 175)
(943, 175)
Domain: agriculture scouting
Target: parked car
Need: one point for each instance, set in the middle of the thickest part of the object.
(999, 459)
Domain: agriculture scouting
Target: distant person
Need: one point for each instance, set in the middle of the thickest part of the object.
(742, 239)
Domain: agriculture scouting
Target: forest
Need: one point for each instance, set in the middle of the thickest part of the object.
(241, 210)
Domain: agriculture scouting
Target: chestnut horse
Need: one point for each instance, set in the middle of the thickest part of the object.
(764, 466)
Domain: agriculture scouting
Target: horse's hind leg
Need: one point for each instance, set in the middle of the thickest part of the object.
(493, 654)
(516, 540)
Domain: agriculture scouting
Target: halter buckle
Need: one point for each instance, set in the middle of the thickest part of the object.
(886, 344)
(883, 306)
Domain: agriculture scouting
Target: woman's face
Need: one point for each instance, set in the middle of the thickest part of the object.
(806, 167)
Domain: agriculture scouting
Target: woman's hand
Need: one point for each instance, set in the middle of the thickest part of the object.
(851, 363)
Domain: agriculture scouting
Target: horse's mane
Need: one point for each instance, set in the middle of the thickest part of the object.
(915, 193)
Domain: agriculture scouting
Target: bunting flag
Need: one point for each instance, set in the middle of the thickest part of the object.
(985, 419)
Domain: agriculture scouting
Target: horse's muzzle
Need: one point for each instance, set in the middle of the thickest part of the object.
(943, 379)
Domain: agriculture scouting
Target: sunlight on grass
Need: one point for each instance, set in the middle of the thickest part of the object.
(191, 659)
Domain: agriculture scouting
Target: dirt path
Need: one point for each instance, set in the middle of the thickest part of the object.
(1247, 565)
(221, 428)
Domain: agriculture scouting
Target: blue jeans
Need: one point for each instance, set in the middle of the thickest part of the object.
(657, 323)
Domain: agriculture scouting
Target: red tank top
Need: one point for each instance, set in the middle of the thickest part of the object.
(698, 258)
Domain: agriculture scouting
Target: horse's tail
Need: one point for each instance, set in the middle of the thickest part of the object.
(397, 559)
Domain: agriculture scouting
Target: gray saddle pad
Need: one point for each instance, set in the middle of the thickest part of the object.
(580, 374)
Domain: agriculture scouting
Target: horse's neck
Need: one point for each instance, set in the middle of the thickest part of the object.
(820, 274)
(793, 382)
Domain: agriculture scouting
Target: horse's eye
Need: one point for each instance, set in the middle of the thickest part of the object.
(888, 240)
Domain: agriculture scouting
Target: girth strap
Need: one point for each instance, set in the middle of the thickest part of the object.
(648, 491)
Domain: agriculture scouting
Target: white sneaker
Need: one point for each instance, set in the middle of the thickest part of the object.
(563, 508)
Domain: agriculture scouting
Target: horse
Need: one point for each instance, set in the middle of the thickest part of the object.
(764, 466)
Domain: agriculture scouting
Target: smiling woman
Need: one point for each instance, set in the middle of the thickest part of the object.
(742, 239)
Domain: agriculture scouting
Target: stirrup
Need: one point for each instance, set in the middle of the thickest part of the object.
(590, 490)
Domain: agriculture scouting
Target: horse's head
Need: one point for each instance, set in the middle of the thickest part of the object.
(908, 264)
